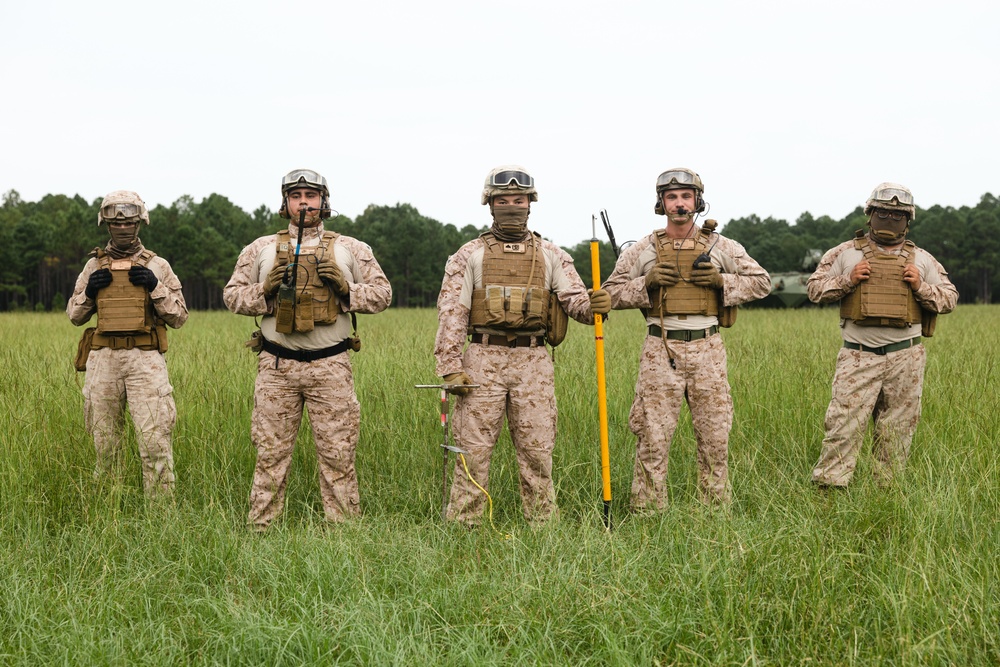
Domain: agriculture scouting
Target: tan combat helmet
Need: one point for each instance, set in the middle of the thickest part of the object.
(679, 179)
(508, 179)
(304, 178)
(893, 197)
(123, 205)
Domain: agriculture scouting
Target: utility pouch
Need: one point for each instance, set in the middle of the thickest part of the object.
(285, 315)
(355, 343)
(255, 342)
(83, 349)
(558, 322)
(304, 313)
(161, 337)
(928, 322)
(727, 317)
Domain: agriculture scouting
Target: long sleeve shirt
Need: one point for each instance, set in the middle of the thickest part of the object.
(370, 291)
(832, 282)
(167, 297)
(743, 279)
(464, 272)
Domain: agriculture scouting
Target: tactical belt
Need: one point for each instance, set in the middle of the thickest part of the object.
(123, 342)
(306, 355)
(885, 349)
(687, 335)
(501, 340)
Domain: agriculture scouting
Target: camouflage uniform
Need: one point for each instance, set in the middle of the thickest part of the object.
(869, 382)
(133, 376)
(672, 369)
(325, 386)
(516, 381)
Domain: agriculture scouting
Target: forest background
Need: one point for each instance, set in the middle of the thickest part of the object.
(44, 244)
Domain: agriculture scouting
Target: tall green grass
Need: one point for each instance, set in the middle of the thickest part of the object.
(92, 574)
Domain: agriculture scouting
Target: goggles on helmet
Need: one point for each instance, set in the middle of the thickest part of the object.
(503, 179)
(886, 195)
(676, 177)
(122, 211)
(306, 178)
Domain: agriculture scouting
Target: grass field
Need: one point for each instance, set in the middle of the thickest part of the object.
(91, 574)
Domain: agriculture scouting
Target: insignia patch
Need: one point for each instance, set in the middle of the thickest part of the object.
(683, 244)
(283, 247)
(121, 264)
(515, 247)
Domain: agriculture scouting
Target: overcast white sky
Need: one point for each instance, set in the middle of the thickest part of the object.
(782, 107)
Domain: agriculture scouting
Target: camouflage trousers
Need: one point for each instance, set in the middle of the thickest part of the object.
(518, 382)
(326, 388)
(139, 379)
(698, 373)
(885, 388)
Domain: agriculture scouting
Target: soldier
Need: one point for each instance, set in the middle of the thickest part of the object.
(511, 291)
(687, 281)
(135, 295)
(306, 310)
(890, 293)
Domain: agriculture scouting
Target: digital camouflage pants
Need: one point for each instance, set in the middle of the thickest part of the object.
(325, 387)
(519, 383)
(138, 379)
(885, 388)
(668, 374)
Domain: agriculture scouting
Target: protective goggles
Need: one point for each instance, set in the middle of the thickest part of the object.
(886, 194)
(503, 179)
(884, 214)
(305, 178)
(675, 177)
(120, 211)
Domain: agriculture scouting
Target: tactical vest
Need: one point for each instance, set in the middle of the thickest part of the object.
(684, 298)
(125, 314)
(308, 285)
(884, 300)
(513, 297)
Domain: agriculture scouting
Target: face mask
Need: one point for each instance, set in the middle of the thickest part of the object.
(888, 231)
(124, 238)
(510, 223)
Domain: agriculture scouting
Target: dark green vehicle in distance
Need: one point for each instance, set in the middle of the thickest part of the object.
(788, 290)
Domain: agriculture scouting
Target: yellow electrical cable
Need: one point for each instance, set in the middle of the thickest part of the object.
(489, 499)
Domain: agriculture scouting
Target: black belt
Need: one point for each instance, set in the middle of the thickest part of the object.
(502, 340)
(684, 334)
(306, 355)
(885, 349)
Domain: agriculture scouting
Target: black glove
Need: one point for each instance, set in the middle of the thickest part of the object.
(143, 277)
(98, 280)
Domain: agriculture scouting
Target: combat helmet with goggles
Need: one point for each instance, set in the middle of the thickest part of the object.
(122, 206)
(890, 209)
(508, 179)
(304, 178)
(679, 179)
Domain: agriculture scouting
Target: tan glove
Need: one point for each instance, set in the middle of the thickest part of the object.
(663, 274)
(706, 275)
(272, 281)
(600, 301)
(458, 379)
(330, 272)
